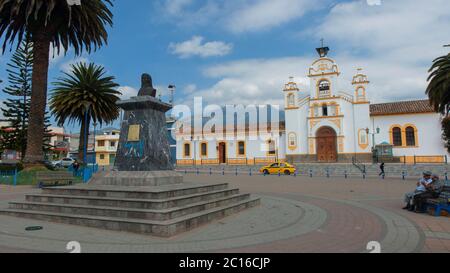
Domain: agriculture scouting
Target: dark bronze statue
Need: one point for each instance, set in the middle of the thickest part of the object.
(147, 86)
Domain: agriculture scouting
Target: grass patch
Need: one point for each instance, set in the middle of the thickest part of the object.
(28, 177)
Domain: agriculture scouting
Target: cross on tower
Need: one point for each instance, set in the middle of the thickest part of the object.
(323, 51)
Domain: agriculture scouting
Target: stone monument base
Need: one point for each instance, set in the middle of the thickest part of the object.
(138, 179)
(163, 211)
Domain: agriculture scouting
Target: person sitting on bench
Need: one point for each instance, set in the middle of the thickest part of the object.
(432, 191)
(421, 188)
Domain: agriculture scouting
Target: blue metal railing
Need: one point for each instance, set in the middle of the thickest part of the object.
(9, 177)
(85, 172)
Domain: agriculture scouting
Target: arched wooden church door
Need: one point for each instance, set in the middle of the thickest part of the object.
(326, 145)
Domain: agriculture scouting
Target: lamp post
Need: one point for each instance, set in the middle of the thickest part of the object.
(375, 132)
(87, 106)
(95, 146)
(195, 152)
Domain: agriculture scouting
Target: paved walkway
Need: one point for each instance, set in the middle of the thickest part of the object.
(296, 215)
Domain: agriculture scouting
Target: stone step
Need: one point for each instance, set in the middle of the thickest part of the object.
(129, 202)
(134, 192)
(166, 228)
(160, 215)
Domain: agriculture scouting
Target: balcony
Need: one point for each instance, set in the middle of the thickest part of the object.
(108, 149)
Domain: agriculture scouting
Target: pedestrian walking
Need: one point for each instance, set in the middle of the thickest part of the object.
(382, 173)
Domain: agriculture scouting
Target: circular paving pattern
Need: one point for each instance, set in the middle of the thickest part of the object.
(283, 223)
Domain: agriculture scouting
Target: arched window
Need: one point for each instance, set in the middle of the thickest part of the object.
(292, 140)
(291, 100)
(241, 148)
(410, 136)
(187, 150)
(204, 149)
(360, 93)
(397, 136)
(363, 139)
(324, 88)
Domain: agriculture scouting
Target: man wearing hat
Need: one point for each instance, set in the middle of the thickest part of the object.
(432, 191)
(422, 187)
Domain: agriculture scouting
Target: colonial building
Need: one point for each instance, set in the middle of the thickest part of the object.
(330, 123)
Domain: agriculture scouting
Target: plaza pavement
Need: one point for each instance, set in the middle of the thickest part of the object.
(297, 214)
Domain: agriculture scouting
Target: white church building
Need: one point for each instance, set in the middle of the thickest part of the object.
(326, 124)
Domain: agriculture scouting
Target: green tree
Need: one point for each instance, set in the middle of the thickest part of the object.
(439, 85)
(56, 23)
(17, 106)
(446, 132)
(86, 89)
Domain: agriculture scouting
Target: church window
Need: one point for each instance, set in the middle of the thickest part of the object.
(363, 137)
(187, 150)
(360, 94)
(397, 137)
(204, 149)
(292, 140)
(325, 111)
(410, 136)
(241, 148)
(324, 89)
(291, 100)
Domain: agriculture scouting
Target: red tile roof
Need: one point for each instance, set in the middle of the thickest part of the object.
(402, 107)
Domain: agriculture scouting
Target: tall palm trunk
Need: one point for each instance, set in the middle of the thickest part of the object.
(36, 127)
(83, 137)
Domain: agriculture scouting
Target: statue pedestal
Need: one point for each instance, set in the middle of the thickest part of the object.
(143, 155)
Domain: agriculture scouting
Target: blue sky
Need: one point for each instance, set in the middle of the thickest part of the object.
(243, 51)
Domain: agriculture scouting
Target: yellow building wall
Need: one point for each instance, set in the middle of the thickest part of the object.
(106, 159)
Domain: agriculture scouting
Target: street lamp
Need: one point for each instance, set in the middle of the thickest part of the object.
(195, 152)
(376, 132)
(95, 145)
(87, 106)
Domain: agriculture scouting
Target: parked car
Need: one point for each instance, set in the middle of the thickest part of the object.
(63, 163)
(278, 168)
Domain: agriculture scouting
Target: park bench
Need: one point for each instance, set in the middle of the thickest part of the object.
(54, 179)
(441, 203)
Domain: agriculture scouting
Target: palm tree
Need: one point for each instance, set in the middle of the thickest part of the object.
(439, 85)
(56, 23)
(85, 92)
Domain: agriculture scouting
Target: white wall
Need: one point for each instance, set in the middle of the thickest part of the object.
(429, 133)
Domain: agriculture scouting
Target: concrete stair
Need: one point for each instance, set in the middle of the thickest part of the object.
(158, 211)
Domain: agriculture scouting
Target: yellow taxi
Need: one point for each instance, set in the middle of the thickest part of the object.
(278, 168)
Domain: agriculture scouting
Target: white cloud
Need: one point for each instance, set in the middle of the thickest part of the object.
(66, 67)
(395, 41)
(55, 56)
(127, 92)
(236, 16)
(197, 47)
(265, 14)
(256, 81)
(175, 7)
